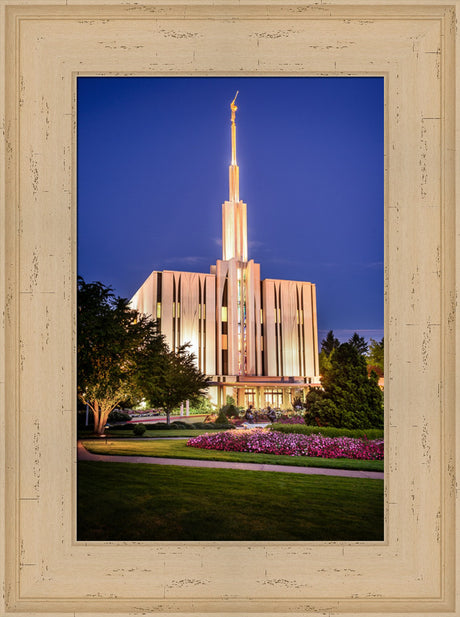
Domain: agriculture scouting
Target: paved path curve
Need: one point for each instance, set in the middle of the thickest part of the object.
(84, 455)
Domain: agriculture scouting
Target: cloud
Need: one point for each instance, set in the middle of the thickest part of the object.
(188, 259)
(255, 244)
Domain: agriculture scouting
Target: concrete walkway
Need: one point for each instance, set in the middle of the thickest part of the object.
(84, 455)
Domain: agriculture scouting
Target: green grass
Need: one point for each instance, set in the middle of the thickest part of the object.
(178, 449)
(119, 501)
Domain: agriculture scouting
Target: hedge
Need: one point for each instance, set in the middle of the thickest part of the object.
(328, 431)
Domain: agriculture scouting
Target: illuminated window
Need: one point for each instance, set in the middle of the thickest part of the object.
(261, 315)
(273, 397)
(176, 309)
(249, 396)
(224, 341)
(224, 313)
(158, 310)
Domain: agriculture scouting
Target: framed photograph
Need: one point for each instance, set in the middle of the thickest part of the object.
(48, 47)
(235, 280)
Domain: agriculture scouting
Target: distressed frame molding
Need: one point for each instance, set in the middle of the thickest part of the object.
(46, 47)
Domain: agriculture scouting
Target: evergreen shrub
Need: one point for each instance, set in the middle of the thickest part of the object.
(328, 431)
(179, 424)
(158, 426)
(139, 429)
(349, 398)
(118, 416)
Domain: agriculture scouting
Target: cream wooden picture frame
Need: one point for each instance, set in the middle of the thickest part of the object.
(44, 48)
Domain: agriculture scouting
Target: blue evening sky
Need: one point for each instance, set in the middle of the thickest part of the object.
(153, 156)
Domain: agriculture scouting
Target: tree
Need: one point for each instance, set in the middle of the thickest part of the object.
(171, 379)
(375, 357)
(359, 343)
(113, 340)
(349, 398)
(329, 343)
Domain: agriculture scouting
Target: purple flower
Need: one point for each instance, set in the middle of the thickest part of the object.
(273, 442)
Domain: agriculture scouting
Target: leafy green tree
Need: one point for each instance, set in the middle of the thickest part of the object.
(375, 356)
(349, 398)
(171, 378)
(112, 340)
(359, 343)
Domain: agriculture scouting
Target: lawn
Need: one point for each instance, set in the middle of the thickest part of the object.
(119, 501)
(177, 449)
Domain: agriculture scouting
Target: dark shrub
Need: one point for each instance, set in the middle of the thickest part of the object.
(222, 417)
(230, 411)
(201, 425)
(158, 426)
(180, 424)
(139, 429)
(227, 425)
(118, 416)
(349, 398)
(328, 431)
(120, 427)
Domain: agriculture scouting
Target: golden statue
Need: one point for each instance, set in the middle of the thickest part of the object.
(233, 107)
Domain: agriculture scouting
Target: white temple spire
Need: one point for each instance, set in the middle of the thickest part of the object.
(234, 182)
(234, 225)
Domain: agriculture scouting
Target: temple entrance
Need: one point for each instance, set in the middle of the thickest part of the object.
(273, 397)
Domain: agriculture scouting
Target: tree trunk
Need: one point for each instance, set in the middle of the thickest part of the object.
(97, 416)
(168, 417)
(101, 411)
(98, 428)
(100, 418)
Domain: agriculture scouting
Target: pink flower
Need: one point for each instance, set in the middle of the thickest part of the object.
(273, 442)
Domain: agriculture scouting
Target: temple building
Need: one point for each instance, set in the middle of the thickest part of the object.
(257, 340)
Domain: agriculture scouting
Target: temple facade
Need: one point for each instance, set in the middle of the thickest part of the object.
(257, 340)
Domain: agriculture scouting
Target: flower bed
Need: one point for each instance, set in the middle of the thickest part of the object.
(291, 420)
(272, 442)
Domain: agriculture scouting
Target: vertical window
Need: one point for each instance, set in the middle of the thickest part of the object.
(249, 396)
(273, 397)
